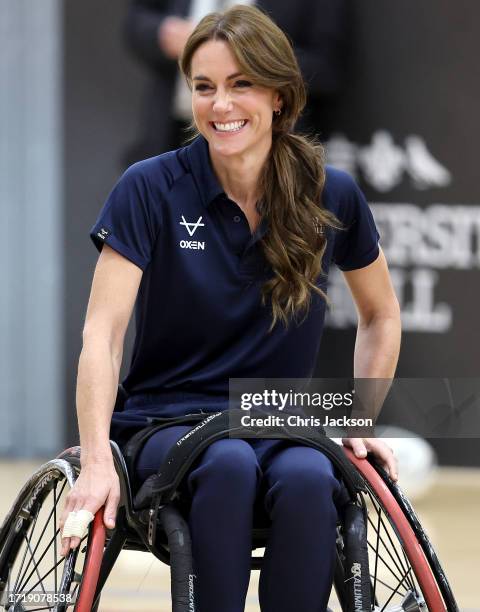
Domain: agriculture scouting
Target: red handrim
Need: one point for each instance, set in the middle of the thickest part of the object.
(410, 543)
(92, 565)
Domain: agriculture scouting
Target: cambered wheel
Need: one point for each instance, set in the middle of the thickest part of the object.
(403, 577)
(33, 574)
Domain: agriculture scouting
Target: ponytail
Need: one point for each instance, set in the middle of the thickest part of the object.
(292, 184)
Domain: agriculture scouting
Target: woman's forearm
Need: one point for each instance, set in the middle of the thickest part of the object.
(97, 383)
(377, 348)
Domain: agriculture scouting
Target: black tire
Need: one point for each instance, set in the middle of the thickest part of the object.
(31, 567)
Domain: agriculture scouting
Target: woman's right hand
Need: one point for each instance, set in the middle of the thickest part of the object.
(96, 486)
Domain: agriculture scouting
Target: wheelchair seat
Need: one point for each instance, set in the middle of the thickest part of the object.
(133, 521)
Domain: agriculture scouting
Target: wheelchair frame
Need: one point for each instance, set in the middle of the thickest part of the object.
(131, 533)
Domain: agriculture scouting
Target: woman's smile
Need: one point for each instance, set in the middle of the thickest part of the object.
(229, 127)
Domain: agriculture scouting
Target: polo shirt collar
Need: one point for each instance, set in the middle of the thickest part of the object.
(202, 171)
(207, 182)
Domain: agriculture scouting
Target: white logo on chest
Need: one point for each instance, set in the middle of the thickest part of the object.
(191, 228)
(192, 244)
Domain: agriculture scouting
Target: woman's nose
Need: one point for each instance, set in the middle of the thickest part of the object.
(222, 102)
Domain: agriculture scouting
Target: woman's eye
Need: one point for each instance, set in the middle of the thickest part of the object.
(206, 86)
(243, 84)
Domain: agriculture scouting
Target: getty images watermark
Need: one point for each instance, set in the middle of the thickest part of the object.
(266, 407)
(290, 400)
(400, 407)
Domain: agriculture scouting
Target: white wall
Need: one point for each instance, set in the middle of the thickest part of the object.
(31, 228)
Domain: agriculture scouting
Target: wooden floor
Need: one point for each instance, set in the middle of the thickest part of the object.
(450, 512)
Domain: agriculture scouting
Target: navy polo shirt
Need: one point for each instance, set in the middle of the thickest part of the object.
(199, 317)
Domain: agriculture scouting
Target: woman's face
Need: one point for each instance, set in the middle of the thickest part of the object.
(234, 115)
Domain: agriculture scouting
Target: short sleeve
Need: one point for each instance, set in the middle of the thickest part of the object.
(355, 246)
(129, 221)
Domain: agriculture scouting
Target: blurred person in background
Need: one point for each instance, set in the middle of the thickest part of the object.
(249, 303)
(156, 32)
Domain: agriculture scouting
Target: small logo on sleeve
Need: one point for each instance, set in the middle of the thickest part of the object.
(103, 233)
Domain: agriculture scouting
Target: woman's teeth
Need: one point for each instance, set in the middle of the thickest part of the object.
(233, 126)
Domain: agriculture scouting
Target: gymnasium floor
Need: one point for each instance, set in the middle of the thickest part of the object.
(450, 514)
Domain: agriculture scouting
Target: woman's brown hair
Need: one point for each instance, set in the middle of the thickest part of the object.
(294, 174)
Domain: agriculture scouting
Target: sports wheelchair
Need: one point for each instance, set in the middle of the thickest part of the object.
(383, 555)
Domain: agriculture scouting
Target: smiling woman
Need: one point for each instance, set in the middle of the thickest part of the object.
(224, 246)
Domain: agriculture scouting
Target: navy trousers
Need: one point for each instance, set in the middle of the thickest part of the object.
(297, 487)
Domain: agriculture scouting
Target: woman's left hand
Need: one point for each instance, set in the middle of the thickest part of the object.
(360, 447)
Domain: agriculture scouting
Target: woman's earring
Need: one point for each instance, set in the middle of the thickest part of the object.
(278, 112)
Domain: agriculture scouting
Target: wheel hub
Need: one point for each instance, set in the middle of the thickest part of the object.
(411, 603)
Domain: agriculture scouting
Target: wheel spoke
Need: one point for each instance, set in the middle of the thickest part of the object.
(386, 565)
(41, 536)
(390, 588)
(75, 590)
(25, 554)
(41, 558)
(400, 568)
(376, 561)
(38, 573)
(391, 596)
(406, 568)
(42, 578)
(74, 552)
